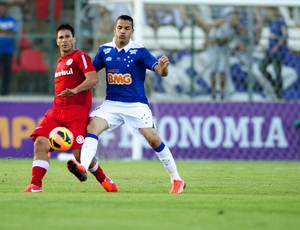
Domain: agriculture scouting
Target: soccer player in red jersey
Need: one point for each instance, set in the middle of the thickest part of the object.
(74, 77)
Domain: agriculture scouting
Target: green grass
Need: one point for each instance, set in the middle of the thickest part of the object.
(219, 195)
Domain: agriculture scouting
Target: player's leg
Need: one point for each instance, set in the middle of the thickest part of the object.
(89, 148)
(40, 164)
(101, 118)
(78, 128)
(83, 153)
(87, 158)
(80, 172)
(95, 127)
(101, 177)
(165, 156)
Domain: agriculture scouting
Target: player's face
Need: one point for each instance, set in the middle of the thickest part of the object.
(65, 41)
(123, 31)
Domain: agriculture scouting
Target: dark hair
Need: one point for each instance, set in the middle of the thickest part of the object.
(125, 18)
(65, 27)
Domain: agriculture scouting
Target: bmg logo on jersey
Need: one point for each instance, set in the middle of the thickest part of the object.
(119, 79)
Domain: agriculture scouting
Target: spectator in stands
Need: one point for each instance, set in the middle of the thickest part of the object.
(102, 24)
(160, 15)
(276, 51)
(220, 33)
(16, 9)
(8, 28)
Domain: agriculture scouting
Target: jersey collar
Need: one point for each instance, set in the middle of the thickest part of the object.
(125, 48)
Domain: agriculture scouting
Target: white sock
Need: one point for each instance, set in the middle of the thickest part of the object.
(95, 167)
(41, 163)
(88, 150)
(165, 156)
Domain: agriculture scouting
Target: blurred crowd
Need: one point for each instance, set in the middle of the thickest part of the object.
(214, 64)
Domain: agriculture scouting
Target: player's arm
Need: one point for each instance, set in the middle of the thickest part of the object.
(162, 67)
(91, 79)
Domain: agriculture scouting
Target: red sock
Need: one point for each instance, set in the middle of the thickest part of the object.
(99, 174)
(38, 174)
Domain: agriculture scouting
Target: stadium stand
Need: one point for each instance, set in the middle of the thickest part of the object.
(294, 39)
(168, 37)
(149, 38)
(30, 72)
(199, 37)
(32, 60)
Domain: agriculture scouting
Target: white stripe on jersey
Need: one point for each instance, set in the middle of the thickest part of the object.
(84, 61)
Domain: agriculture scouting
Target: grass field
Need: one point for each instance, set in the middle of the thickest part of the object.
(219, 195)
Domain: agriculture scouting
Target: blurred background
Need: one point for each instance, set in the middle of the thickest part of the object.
(230, 58)
(185, 32)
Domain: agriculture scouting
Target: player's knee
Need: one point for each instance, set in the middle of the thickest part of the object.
(41, 145)
(154, 141)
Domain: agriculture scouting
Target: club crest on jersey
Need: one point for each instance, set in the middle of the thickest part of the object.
(69, 62)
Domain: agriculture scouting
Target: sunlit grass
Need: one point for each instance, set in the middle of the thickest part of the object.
(219, 195)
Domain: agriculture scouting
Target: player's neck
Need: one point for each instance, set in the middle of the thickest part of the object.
(121, 45)
(63, 54)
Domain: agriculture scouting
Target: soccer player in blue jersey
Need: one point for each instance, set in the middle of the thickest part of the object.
(126, 103)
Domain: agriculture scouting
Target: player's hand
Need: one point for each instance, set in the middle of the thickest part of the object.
(163, 61)
(162, 67)
(68, 92)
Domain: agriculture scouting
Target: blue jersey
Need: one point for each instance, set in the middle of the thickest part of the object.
(7, 42)
(278, 30)
(125, 71)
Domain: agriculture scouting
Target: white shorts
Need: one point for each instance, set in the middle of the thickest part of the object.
(218, 57)
(133, 115)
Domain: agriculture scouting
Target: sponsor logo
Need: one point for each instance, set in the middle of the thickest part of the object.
(119, 79)
(108, 59)
(112, 70)
(64, 72)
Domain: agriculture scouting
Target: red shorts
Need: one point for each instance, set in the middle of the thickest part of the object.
(74, 117)
(43, 9)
